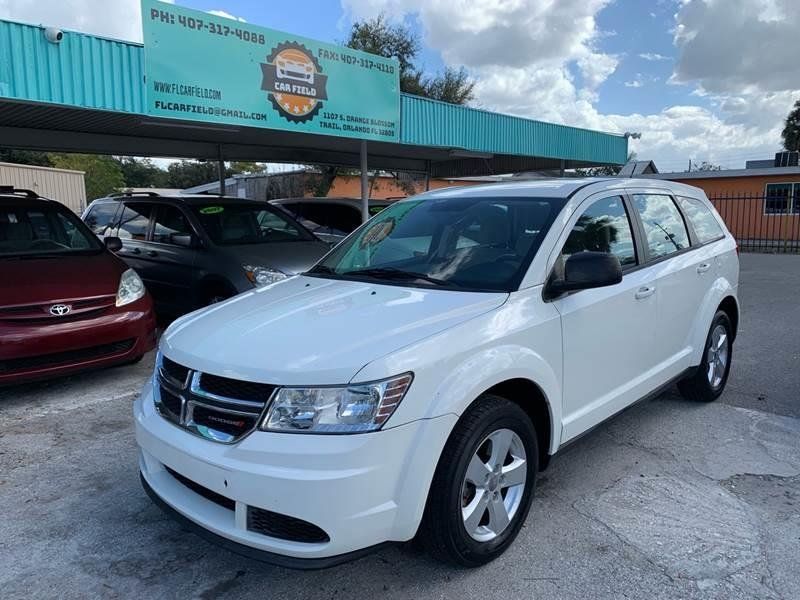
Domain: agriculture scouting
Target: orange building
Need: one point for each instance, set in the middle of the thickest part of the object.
(386, 187)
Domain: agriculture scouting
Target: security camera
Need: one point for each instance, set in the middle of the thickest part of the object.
(53, 35)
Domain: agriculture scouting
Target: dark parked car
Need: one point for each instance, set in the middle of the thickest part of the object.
(331, 219)
(66, 302)
(192, 251)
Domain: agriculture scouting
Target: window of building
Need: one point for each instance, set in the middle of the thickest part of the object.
(703, 221)
(663, 225)
(782, 198)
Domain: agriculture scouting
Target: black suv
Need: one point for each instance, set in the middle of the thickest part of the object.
(192, 251)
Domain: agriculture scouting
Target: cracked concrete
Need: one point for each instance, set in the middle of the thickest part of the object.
(668, 500)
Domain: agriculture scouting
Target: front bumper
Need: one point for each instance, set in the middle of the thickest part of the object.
(43, 350)
(362, 490)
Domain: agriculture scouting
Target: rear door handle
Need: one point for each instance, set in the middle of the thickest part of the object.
(703, 267)
(136, 251)
(152, 253)
(645, 292)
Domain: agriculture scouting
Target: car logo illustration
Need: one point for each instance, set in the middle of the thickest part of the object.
(59, 310)
(294, 82)
(292, 69)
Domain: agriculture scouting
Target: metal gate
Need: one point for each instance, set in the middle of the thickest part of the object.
(762, 223)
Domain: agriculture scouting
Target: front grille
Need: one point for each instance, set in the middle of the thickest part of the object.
(206, 493)
(216, 408)
(283, 527)
(232, 424)
(174, 370)
(40, 313)
(64, 358)
(235, 388)
(171, 402)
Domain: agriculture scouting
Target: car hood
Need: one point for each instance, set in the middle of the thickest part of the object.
(46, 280)
(313, 331)
(288, 257)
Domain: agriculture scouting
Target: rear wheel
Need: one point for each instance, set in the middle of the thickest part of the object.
(708, 382)
(483, 485)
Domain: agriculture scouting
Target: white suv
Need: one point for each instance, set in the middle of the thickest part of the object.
(416, 380)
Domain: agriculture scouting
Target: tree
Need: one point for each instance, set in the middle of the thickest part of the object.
(791, 129)
(378, 36)
(190, 173)
(26, 157)
(704, 166)
(142, 173)
(102, 174)
(251, 168)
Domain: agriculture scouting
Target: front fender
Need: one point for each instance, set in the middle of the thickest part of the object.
(492, 366)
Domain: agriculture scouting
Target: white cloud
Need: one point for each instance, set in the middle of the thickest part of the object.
(654, 56)
(727, 46)
(522, 54)
(226, 15)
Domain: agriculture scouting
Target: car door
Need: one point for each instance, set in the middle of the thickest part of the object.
(683, 272)
(170, 257)
(607, 333)
(133, 229)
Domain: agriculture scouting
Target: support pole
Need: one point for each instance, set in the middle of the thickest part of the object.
(562, 167)
(221, 173)
(364, 183)
(427, 175)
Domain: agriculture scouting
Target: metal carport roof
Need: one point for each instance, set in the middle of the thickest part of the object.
(86, 94)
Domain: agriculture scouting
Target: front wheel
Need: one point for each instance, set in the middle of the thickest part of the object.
(483, 485)
(708, 382)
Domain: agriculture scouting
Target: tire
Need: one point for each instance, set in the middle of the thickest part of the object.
(705, 384)
(445, 532)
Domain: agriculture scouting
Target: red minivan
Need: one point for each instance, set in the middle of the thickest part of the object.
(66, 302)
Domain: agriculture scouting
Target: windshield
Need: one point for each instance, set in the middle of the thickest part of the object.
(230, 224)
(474, 244)
(43, 230)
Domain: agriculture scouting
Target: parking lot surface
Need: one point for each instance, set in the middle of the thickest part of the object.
(668, 500)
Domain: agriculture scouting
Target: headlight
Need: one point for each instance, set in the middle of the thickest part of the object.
(130, 289)
(355, 408)
(259, 276)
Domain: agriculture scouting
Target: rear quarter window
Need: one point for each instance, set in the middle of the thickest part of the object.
(703, 221)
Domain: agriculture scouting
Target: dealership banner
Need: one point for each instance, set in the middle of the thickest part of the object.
(202, 67)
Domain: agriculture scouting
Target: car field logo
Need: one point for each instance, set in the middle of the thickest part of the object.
(59, 310)
(293, 80)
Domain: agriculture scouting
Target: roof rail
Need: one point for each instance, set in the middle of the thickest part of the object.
(119, 194)
(10, 189)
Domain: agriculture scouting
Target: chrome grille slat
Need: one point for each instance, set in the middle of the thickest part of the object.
(211, 416)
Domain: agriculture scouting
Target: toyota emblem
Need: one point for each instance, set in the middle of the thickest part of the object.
(59, 310)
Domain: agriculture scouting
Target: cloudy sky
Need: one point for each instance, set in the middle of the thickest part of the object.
(700, 79)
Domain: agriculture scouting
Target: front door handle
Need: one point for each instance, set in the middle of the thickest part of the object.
(703, 267)
(136, 251)
(152, 253)
(645, 292)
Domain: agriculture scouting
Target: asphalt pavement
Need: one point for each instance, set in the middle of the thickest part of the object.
(668, 500)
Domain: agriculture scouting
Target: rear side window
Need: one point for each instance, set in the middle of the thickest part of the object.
(170, 221)
(604, 227)
(100, 217)
(703, 222)
(135, 221)
(663, 225)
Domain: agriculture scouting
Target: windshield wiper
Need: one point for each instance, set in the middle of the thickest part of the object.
(322, 270)
(397, 274)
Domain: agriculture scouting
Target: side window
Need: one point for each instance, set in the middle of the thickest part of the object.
(135, 221)
(703, 221)
(663, 224)
(269, 221)
(169, 221)
(604, 227)
(100, 217)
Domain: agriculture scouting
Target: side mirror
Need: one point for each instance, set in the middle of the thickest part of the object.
(114, 244)
(184, 240)
(587, 270)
